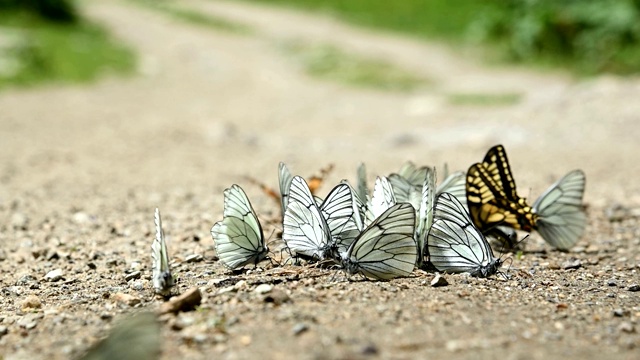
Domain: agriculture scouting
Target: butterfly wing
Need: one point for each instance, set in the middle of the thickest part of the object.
(455, 244)
(386, 249)
(455, 184)
(362, 191)
(284, 181)
(561, 217)
(491, 196)
(306, 231)
(162, 278)
(425, 213)
(383, 198)
(238, 237)
(405, 191)
(338, 211)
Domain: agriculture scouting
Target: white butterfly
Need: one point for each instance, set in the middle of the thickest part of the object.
(318, 231)
(386, 248)
(162, 279)
(382, 199)
(284, 180)
(238, 237)
(456, 185)
(455, 245)
(561, 217)
(425, 213)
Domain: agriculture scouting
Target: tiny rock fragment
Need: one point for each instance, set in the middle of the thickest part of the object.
(612, 282)
(54, 275)
(31, 302)
(185, 302)
(127, 299)
(621, 313)
(369, 350)
(634, 287)
(276, 296)
(561, 306)
(575, 264)
(3, 331)
(438, 281)
(19, 221)
(263, 288)
(30, 321)
(132, 275)
(245, 340)
(299, 328)
(193, 258)
(626, 327)
(81, 217)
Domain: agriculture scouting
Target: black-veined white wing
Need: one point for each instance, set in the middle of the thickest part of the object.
(162, 278)
(362, 191)
(455, 245)
(306, 231)
(425, 214)
(284, 181)
(456, 185)
(561, 217)
(386, 248)
(413, 174)
(238, 237)
(338, 211)
(405, 191)
(382, 199)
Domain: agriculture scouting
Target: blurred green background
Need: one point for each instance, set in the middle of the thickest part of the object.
(49, 40)
(46, 41)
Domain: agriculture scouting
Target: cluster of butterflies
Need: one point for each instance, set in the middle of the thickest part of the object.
(406, 222)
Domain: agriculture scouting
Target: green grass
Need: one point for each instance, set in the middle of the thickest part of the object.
(483, 99)
(443, 19)
(34, 51)
(197, 18)
(585, 37)
(331, 63)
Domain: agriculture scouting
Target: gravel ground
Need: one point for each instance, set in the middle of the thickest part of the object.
(83, 167)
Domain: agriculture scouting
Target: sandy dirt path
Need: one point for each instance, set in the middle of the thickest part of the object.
(83, 167)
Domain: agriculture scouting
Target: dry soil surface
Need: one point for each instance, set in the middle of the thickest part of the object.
(83, 167)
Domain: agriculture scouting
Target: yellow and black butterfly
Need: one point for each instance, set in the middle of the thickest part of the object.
(492, 198)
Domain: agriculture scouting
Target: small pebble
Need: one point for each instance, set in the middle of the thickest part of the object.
(3, 331)
(31, 302)
(133, 275)
(634, 288)
(277, 297)
(369, 350)
(19, 221)
(263, 288)
(193, 258)
(626, 327)
(575, 264)
(185, 302)
(127, 299)
(299, 328)
(81, 217)
(618, 313)
(612, 282)
(54, 275)
(438, 281)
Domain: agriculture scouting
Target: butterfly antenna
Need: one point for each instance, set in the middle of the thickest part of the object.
(265, 188)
